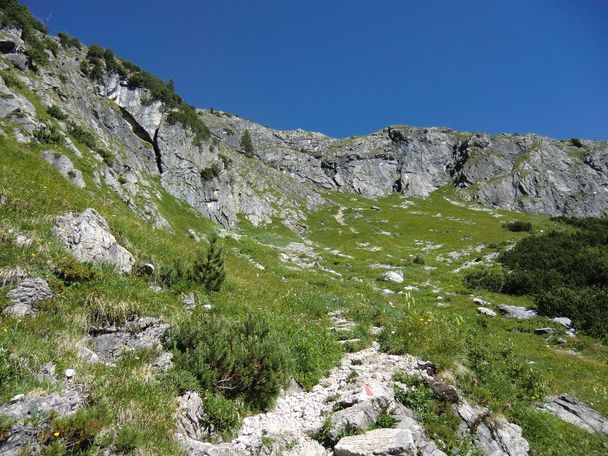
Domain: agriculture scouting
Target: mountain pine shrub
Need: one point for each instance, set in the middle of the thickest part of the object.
(247, 144)
(208, 268)
(68, 41)
(56, 112)
(239, 359)
(518, 226)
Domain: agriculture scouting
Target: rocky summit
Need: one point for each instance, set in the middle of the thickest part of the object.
(180, 280)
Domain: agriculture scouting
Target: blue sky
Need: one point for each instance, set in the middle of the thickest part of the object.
(346, 67)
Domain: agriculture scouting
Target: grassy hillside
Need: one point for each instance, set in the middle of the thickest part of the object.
(131, 406)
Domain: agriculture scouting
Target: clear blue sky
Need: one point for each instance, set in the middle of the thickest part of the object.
(346, 67)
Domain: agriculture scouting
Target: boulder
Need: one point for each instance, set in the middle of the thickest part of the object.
(573, 411)
(564, 321)
(379, 442)
(369, 402)
(65, 167)
(486, 311)
(520, 313)
(22, 299)
(393, 276)
(494, 436)
(87, 235)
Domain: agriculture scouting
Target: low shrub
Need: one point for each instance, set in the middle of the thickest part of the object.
(187, 116)
(518, 226)
(68, 41)
(210, 172)
(106, 156)
(223, 416)
(576, 142)
(208, 268)
(56, 112)
(585, 306)
(82, 135)
(492, 279)
(49, 134)
(234, 358)
(437, 416)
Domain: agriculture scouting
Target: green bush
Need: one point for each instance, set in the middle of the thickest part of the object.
(158, 89)
(68, 41)
(222, 416)
(518, 226)
(208, 268)
(49, 134)
(492, 279)
(587, 307)
(437, 416)
(187, 116)
(10, 79)
(210, 172)
(238, 359)
(576, 142)
(106, 156)
(56, 112)
(82, 135)
(247, 144)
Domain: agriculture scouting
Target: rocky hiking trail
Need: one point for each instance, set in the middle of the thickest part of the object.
(342, 412)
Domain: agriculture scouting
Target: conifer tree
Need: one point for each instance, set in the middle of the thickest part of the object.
(209, 267)
(247, 144)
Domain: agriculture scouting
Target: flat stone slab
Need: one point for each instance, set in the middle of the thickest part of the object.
(379, 442)
(573, 411)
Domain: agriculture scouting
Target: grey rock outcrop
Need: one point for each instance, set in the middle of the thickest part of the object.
(32, 412)
(520, 313)
(371, 401)
(138, 333)
(65, 167)
(87, 235)
(485, 311)
(379, 442)
(573, 411)
(190, 420)
(23, 298)
(494, 436)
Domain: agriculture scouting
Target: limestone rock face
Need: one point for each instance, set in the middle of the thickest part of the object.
(573, 411)
(87, 235)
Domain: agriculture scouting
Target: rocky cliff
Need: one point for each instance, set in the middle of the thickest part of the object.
(140, 150)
